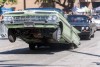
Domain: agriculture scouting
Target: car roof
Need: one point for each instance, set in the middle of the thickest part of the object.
(51, 9)
(47, 9)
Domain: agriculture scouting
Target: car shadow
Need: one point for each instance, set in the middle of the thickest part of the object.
(20, 65)
(97, 63)
(85, 53)
(32, 65)
(3, 38)
(41, 50)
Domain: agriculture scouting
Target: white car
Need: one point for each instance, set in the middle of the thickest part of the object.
(96, 20)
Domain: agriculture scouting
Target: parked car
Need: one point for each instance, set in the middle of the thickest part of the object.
(96, 20)
(83, 24)
(37, 26)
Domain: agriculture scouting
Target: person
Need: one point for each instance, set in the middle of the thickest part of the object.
(65, 14)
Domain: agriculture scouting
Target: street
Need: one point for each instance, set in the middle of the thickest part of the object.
(18, 54)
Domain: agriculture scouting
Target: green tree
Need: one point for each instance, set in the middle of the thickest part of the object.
(46, 3)
(51, 3)
(2, 2)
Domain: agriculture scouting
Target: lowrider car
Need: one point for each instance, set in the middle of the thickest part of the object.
(83, 24)
(38, 26)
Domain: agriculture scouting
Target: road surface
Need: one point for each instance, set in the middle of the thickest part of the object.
(18, 54)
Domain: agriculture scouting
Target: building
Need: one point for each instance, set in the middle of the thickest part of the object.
(21, 4)
(89, 3)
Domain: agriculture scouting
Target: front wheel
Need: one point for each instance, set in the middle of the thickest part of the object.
(11, 35)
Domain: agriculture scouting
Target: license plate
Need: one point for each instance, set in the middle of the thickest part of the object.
(28, 24)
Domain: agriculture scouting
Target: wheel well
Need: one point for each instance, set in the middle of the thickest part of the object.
(61, 26)
(12, 30)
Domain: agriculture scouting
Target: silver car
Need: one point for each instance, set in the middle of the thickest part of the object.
(96, 20)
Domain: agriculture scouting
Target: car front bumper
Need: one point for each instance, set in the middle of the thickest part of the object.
(32, 26)
(84, 34)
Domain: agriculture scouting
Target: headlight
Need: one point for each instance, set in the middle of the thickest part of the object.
(87, 28)
(8, 19)
(52, 18)
(83, 28)
(5, 18)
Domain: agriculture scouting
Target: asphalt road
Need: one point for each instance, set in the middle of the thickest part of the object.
(18, 55)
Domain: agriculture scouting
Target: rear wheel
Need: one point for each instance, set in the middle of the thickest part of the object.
(11, 35)
(31, 46)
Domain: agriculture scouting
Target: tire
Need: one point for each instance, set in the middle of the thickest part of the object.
(73, 46)
(57, 34)
(92, 36)
(11, 35)
(31, 46)
(89, 37)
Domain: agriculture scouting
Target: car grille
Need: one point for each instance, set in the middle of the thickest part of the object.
(25, 19)
(29, 18)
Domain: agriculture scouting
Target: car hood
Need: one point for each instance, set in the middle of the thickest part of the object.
(80, 24)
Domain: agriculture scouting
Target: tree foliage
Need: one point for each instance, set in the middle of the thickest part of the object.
(45, 3)
(2, 2)
(69, 5)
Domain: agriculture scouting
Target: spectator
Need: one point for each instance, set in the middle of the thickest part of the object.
(65, 14)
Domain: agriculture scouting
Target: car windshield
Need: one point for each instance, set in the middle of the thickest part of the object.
(77, 19)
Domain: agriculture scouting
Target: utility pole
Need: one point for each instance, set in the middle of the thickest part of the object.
(24, 4)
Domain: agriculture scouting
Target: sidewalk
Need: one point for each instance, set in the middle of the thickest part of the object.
(88, 57)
